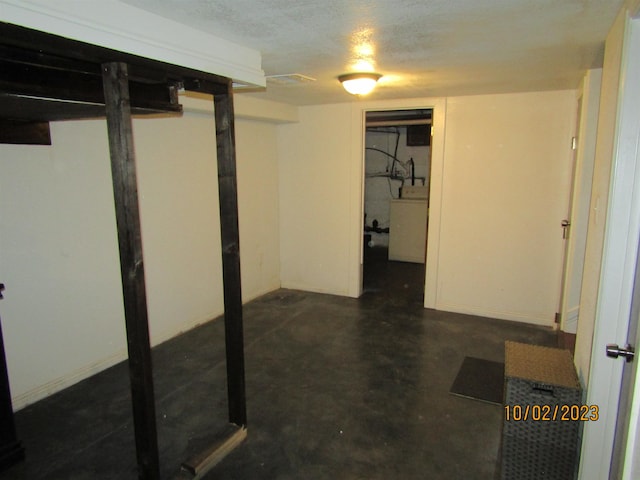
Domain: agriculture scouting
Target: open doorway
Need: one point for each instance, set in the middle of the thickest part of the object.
(396, 202)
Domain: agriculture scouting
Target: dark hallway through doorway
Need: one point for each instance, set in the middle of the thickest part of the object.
(401, 281)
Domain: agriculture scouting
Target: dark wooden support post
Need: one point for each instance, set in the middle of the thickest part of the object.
(11, 450)
(228, 192)
(235, 432)
(125, 191)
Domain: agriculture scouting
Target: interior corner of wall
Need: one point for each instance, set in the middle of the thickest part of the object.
(253, 108)
(633, 6)
(40, 392)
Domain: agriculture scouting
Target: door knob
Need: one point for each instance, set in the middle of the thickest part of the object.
(614, 351)
(565, 225)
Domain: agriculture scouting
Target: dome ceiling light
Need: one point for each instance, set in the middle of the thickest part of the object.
(359, 83)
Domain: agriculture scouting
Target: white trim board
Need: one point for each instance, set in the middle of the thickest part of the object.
(571, 320)
(43, 391)
(530, 318)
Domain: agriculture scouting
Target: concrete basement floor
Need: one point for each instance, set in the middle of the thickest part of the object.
(337, 388)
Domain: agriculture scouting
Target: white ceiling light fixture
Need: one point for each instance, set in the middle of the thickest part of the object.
(359, 83)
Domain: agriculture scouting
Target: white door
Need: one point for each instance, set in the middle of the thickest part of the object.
(623, 464)
(616, 291)
(569, 224)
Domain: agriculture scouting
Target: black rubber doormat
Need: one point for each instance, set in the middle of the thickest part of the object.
(480, 379)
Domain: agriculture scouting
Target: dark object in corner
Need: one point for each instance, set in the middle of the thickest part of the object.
(11, 450)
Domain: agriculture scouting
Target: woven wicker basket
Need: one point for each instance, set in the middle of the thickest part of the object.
(540, 382)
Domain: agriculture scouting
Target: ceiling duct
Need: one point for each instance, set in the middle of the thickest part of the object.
(289, 79)
(399, 118)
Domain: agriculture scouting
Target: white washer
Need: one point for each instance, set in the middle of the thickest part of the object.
(408, 230)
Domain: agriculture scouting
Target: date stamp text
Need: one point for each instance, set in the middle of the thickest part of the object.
(551, 413)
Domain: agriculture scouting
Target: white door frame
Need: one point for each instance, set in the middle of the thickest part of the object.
(586, 130)
(618, 271)
(356, 255)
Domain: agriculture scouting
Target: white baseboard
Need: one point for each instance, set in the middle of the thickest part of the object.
(570, 323)
(521, 317)
(49, 388)
(314, 289)
(54, 386)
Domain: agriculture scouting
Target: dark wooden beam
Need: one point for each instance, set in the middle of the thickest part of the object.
(40, 81)
(223, 443)
(24, 133)
(21, 79)
(141, 69)
(123, 168)
(235, 432)
(228, 192)
(11, 450)
(30, 56)
(204, 86)
(68, 93)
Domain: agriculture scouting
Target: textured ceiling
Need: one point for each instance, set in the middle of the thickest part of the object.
(422, 47)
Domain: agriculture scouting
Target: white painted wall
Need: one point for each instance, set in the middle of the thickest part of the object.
(599, 196)
(177, 185)
(315, 174)
(507, 169)
(62, 314)
(499, 190)
(589, 97)
(258, 189)
(322, 193)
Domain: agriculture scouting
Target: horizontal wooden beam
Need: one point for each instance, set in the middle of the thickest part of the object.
(49, 47)
(221, 446)
(71, 94)
(204, 86)
(24, 133)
